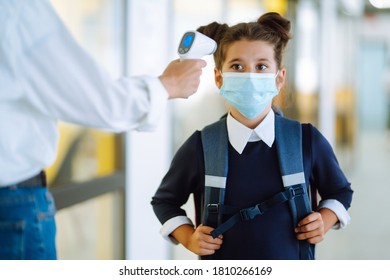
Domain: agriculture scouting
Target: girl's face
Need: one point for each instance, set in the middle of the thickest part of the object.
(250, 56)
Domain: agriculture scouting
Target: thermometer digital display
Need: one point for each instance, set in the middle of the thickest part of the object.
(188, 39)
(195, 45)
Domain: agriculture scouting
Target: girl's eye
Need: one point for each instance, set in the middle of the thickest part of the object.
(261, 67)
(237, 67)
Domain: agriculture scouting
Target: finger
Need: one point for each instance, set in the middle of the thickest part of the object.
(206, 248)
(205, 229)
(192, 63)
(308, 235)
(194, 84)
(209, 239)
(202, 63)
(309, 227)
(315, 240)
(309, 218)
(208, 231)
(197, 62)
(206, 252)
(209, 246)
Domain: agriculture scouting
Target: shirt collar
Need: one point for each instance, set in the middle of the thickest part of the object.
(240, 135)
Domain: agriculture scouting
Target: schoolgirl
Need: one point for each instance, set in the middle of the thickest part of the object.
(249, 73)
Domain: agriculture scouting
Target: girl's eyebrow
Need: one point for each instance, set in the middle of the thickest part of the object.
(264, 59)
(239, 60)
(234, 60)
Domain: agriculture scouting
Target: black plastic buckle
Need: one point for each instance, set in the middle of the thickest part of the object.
(250, 213)
(213, 208)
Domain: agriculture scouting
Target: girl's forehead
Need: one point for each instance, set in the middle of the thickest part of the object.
(250, 50)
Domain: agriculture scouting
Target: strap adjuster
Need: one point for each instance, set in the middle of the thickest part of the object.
(213, 208)
(250, 213)
(296, 191)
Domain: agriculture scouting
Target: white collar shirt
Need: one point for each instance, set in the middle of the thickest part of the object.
(240, 135)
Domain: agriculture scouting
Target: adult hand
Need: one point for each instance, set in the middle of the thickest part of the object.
(181, 78)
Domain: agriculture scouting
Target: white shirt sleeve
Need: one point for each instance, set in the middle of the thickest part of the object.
(62, 81)
(172, 224)
(339, 210)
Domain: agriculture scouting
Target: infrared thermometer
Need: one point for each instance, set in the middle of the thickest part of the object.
(194, 45)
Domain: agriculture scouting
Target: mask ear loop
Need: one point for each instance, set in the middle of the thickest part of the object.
(276, 76)
(220, 72)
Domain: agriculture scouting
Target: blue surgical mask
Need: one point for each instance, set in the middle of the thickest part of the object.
(249, 93)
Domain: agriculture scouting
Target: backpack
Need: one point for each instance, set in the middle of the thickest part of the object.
(288, 139)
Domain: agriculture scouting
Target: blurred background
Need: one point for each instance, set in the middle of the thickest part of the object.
(338, 68)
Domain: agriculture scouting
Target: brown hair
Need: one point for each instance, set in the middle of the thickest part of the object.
(270, 27)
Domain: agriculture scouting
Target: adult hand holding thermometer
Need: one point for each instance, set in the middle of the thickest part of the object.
(195, 45)
(182, 78)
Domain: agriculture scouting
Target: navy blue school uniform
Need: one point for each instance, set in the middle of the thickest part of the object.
(254, 176)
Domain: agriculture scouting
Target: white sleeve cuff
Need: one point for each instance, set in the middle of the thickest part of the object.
(172, 224)
(158, 97)
(339, 210)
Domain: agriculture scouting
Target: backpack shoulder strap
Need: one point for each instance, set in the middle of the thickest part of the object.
(215, 150)
(288, 138)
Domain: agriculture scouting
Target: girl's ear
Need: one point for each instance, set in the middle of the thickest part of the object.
(280, 79)
(218, 77)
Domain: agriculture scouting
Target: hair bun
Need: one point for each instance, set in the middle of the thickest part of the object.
(278, 24)
(214, 30)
